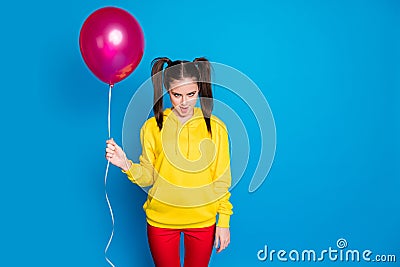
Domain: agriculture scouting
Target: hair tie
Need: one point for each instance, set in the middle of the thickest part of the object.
(169, 62)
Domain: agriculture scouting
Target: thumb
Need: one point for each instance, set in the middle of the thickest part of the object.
(113, 142)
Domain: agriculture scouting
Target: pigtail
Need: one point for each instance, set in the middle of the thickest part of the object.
(205, 91)
(157, 79)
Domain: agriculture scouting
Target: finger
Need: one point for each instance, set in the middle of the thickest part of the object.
(112, 141)
(110, 150)
(216, 244)
(110, 154)
(111, 146)
(216, 241)
(115, 145)
(224, 245)
(220, 245)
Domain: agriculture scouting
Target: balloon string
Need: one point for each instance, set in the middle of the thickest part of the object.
(105, 180)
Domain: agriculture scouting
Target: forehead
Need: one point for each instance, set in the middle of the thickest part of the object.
(183, 86)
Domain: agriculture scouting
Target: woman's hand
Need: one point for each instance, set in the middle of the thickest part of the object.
(222, 238)
(116, 155)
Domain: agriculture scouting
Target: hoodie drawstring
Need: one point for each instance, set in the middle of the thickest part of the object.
(177, 137)
(188, 143)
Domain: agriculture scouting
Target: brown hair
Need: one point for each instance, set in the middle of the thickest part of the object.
(199, 70)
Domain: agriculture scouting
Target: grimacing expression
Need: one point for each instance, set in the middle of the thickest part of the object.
(183, 95)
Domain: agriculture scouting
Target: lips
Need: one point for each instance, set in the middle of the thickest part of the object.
(184, 109)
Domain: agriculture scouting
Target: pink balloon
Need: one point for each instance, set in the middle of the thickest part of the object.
(111, 43)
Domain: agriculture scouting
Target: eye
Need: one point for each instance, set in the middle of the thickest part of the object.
(191, 94)
(177, 95)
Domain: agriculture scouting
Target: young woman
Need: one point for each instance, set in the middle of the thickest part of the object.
(185, 159)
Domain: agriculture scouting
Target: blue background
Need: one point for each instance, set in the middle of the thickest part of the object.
(330, 71)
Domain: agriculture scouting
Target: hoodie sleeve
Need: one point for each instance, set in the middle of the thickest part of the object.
(222, 175)
(142, 173)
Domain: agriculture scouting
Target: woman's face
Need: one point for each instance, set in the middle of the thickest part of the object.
(183, 95)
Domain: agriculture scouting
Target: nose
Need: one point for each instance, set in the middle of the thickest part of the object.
(184, 100)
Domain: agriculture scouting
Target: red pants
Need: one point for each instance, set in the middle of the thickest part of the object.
(164, 246)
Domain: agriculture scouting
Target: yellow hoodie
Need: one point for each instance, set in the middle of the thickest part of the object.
(188, 169)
